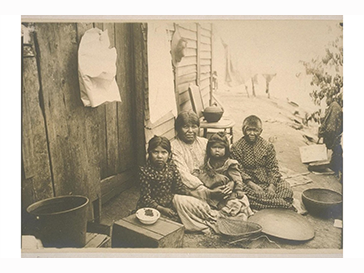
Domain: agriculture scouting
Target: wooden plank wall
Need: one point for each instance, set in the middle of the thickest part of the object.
(36, 170)
(194, 68)
(68, 148)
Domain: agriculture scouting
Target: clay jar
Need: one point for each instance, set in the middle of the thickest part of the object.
(213, 113)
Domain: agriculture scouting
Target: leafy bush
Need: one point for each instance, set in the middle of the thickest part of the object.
(326, 72)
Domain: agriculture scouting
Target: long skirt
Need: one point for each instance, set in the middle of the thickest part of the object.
(282, 198)
(198, 215)
(194, 213)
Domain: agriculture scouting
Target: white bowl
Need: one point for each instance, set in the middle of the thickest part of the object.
(147, 216)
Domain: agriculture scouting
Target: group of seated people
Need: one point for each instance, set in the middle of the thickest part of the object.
(195, 180)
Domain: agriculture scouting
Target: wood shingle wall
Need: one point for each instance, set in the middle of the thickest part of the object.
(194, 68)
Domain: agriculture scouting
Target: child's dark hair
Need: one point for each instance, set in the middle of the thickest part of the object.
(221, 138)
(156, 141)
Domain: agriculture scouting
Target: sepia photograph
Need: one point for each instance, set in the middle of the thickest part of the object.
(174, 136)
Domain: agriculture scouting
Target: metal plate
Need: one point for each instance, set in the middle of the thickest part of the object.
(284, 224)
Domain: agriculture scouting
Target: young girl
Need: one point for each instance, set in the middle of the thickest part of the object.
(219, 170)
(160, 179)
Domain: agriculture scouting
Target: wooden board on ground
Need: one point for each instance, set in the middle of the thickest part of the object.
(96, 240)
(312, 153)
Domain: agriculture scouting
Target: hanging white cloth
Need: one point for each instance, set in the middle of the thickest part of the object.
(160, 73)
(97, 69)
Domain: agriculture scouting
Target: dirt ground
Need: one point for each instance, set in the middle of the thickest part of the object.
(278, 128)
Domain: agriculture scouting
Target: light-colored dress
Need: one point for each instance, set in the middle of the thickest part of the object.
(188, 159)
(193, 211)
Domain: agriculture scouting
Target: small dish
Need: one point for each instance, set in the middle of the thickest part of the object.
(147, 216)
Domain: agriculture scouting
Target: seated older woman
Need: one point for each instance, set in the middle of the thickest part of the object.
(263, 182)
(189, 152)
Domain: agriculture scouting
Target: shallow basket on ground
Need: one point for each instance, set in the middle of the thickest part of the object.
(237, 227)
(322, 202)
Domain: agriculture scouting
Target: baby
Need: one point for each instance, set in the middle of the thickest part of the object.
(219, 170)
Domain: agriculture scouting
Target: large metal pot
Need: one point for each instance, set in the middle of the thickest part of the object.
(213, 113)
(61, 221)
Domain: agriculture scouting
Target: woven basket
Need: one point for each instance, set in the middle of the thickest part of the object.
(237, 227)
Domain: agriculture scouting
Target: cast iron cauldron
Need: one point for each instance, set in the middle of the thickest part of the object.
(213, 113)
(323, 203)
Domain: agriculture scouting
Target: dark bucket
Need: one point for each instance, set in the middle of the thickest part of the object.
(61, 221)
